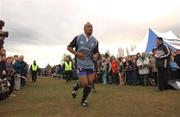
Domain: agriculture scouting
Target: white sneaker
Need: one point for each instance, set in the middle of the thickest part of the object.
(12, 95)
(74, 94)
(84, 104)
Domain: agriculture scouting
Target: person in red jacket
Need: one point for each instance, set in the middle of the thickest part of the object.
(115, 71)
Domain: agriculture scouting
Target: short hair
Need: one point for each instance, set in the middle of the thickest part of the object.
(177, 50)
(160, 39)
(154, 49)
(2, 23)
(87, 23)
(16, 56)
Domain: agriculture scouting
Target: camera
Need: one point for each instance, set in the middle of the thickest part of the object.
(4, 34)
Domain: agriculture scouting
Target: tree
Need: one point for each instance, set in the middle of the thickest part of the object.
(120, 52)
(132, 48)
(127, 52)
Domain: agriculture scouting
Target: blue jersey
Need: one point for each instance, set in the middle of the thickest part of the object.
(88, 47)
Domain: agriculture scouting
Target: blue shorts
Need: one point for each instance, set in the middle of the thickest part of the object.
(85, 72)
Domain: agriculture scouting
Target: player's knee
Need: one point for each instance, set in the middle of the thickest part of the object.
(84, 84)
(90, 83)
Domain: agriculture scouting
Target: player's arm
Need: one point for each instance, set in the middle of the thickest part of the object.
(166, 52)
(72, 45)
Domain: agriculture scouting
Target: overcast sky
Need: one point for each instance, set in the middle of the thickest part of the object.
(41, 29)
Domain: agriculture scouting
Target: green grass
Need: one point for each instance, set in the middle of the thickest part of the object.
(52, 98)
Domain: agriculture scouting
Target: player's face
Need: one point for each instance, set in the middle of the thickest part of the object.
(88, 29)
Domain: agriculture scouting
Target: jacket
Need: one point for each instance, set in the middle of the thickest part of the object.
(162, 60)
(143, 65)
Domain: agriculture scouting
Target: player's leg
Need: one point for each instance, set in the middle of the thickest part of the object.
(82, 82)
(87, 89)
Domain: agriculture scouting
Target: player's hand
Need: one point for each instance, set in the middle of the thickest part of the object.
(96, 57)
(80, 55)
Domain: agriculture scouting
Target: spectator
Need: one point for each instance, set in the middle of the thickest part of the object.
(16, 79)
(34, 70)
(115, 71)
(2, 34)
(99, 74)
(109, 71)
(20, 68)
(104, 71)
(3, 84)
(121, 71)
(2, 67)
(128, 69)
(153, 66)
(143, 65)
(68, 69)
(135, 79)
(173, 68)
(10, 74)
(177, 60)
(162, 64)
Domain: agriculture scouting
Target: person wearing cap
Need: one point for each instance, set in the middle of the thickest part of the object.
(162, 63)
(34, 69)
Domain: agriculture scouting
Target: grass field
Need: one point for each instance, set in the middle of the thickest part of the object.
(52, 98)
